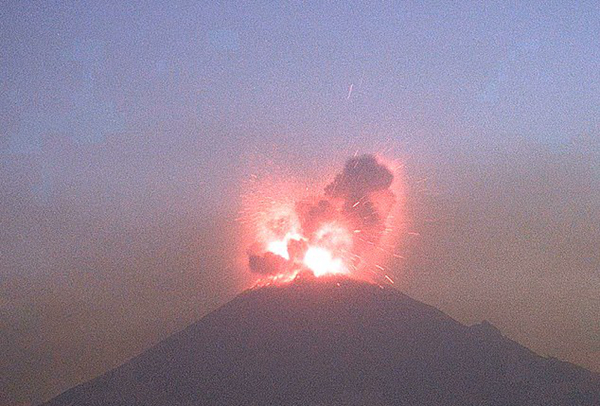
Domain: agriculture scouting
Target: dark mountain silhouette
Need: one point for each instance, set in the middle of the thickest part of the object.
(336, 342)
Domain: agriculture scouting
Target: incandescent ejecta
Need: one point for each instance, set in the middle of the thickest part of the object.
(340, 231)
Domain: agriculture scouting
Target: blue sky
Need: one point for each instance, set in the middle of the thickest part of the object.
(90, 69)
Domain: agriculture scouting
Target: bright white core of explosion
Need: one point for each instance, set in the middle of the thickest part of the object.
(340, 231)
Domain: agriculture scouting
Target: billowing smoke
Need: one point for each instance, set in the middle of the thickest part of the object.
(364, 187)
(346, 222)
(361, 177)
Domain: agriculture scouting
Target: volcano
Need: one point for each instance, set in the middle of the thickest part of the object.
(336, 341)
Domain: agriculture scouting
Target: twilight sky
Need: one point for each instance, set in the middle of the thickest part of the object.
(128, 129)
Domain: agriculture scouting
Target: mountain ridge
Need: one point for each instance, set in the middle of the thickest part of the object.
(336, 341)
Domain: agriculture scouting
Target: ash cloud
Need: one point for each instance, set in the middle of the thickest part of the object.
(358, 199)
(362, 176)
(312, 215)
(364, 187)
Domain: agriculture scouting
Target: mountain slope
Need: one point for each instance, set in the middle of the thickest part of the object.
(336, 342)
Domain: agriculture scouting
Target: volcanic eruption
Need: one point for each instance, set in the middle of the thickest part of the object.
(341, 231)
(336, 338)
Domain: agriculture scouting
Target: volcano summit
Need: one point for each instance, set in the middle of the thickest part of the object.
(336, 341)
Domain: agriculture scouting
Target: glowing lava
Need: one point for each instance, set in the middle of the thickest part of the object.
(321, 262)
(341, 231)
(322, 255)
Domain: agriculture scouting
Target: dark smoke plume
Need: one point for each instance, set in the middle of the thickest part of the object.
(364, 187)
(359, 199)
(362, 176)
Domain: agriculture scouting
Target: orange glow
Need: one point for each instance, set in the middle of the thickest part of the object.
(280, 247)
(294, 227)
(321, 262)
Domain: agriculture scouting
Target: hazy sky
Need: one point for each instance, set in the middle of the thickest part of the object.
(128, 129)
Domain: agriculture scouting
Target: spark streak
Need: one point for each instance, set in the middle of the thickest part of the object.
(344, 230)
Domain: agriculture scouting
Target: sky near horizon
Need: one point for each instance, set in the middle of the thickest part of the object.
(128, 130)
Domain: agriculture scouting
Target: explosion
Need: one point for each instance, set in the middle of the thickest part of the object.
(339, 232)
